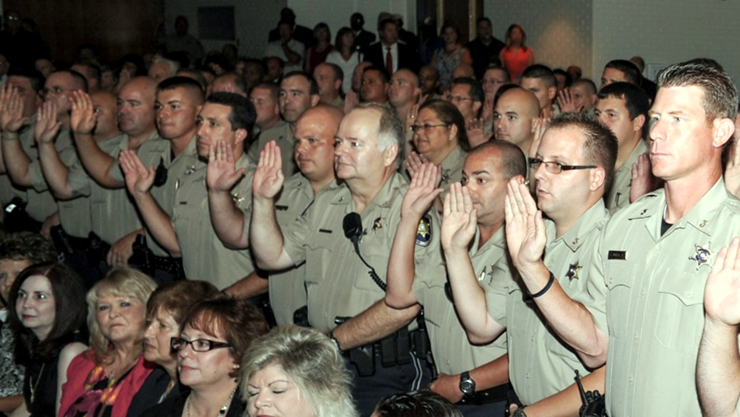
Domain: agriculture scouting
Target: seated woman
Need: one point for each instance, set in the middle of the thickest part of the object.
(296, 371)
(215, 334)
(164, 313)
(102, 381)
(47, 312)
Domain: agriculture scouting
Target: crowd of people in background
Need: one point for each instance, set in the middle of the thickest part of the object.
(413, 226)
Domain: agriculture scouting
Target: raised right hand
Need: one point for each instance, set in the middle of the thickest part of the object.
(268, 178)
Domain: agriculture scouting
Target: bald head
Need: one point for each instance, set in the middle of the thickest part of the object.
(513, 116)
(106, 115)
(463, 70)
(314, 143)
(331, 114)
(136, 106)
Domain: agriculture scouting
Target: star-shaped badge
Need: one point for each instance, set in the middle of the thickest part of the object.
(573, 271)
(701, 256)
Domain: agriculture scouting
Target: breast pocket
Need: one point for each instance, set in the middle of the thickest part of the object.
(320, 253)
(376, 253)
(620, 282)
(680, 313)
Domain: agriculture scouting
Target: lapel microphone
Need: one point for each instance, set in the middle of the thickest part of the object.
(352, 225)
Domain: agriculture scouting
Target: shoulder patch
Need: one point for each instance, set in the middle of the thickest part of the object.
(424, 231)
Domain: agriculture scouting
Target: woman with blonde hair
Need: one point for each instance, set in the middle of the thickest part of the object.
(103, 380)
(516, 55)
(297, 372)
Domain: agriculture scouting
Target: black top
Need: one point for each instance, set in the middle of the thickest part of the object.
(175, 404)
(151, 392)
(484, 55)
(40, 387)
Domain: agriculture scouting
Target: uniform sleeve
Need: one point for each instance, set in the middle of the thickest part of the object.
(430, 272)
(38, 182)
(294, 238)
(77, 178)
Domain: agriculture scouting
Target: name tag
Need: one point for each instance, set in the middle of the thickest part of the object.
(618, 255)
(281, 208)
(325, 231)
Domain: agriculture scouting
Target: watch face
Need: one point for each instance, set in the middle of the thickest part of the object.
(468, 387)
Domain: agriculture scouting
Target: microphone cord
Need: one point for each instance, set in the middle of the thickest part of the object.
(371, 272)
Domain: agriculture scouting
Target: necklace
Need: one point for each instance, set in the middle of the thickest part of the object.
(33, 386)
(221, 412)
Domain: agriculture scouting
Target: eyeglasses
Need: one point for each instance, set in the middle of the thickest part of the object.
(458, 99)
(556, 167)
(198, 345)
(426, 127)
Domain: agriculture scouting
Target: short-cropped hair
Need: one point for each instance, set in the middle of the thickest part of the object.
(26, 246)
(242, 114)
(238, 322)
(476, 91)
(119, 282)
(720, 92)
(635, 98)
(513, 162)
(314, 89)
(183, 82)
(628, 68)
(542, 72)
(311, 360)
(600, 145)
(390, 128)
(36, 79)
(422, 403)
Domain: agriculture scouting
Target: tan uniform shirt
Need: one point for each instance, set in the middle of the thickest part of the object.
(337, 282)
(74, 214)
(452, 167)
(539, 363)
(153, 152)
(452, 351)
(204, 257)
(287, 289)
(283, 137)
(113, 213)
(619, 193)
(41, 203)
(654, 288)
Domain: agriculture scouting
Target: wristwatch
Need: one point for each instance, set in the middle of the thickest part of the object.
(467, 385)
(519, 412)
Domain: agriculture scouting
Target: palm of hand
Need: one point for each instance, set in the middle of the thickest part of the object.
(221, 175)
(456, 230)
(46, 130)
(267, 181)
(722, 295)
(83, 122)
(11, 119)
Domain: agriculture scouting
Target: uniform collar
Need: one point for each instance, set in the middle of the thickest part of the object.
(594, 217)
(383, 199)
(498, 240)
(701, 217)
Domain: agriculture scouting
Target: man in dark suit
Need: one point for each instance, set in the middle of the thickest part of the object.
(390, 54)
(300, 33)
(363, 38)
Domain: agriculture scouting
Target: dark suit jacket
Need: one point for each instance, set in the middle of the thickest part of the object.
(364, 39)
(407, 57)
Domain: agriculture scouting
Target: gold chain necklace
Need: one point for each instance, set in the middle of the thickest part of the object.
(221, 412)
